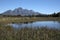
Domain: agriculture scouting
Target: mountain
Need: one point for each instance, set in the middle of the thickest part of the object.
(20, 11)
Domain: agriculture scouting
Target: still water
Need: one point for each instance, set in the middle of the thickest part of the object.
(49, 24)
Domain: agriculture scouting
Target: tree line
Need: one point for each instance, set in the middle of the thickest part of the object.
(40, 15)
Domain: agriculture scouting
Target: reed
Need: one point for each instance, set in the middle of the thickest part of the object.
(27, 19)
(9, 33)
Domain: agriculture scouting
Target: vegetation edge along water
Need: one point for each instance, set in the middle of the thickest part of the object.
(9, 33)
(43, 33)
(27, 19)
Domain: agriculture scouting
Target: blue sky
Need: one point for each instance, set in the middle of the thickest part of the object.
(42, 6)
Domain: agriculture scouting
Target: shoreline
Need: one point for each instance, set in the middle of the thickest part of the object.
(27, 19)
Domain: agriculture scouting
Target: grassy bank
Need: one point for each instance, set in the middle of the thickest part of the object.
(9, 33)
(27, 19)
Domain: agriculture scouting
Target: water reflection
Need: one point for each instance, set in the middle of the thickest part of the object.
(49, 24)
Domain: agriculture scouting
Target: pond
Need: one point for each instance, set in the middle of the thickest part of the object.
(49, 24)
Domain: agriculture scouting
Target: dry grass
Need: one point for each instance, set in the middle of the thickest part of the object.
(9, 33)
(27, 19)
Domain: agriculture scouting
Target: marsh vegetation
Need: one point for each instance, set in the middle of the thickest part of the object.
(43, 33)
(27, 19)
(9, 33)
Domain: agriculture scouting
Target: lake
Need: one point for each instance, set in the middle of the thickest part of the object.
(36, 24)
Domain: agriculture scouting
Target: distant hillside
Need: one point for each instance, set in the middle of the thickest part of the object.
(25, 12)
(21, 11)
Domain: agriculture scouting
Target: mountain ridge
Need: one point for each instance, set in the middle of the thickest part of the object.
(20, 11)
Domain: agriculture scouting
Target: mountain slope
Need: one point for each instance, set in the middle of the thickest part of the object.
(20, 11)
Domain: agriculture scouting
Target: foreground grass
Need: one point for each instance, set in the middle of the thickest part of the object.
(9, 33)
(27, 19)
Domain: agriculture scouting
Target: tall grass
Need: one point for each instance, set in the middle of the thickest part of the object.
(27, 19)
(9, 33)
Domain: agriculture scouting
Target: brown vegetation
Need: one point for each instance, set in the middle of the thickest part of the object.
(27, 19)
(9, 33)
